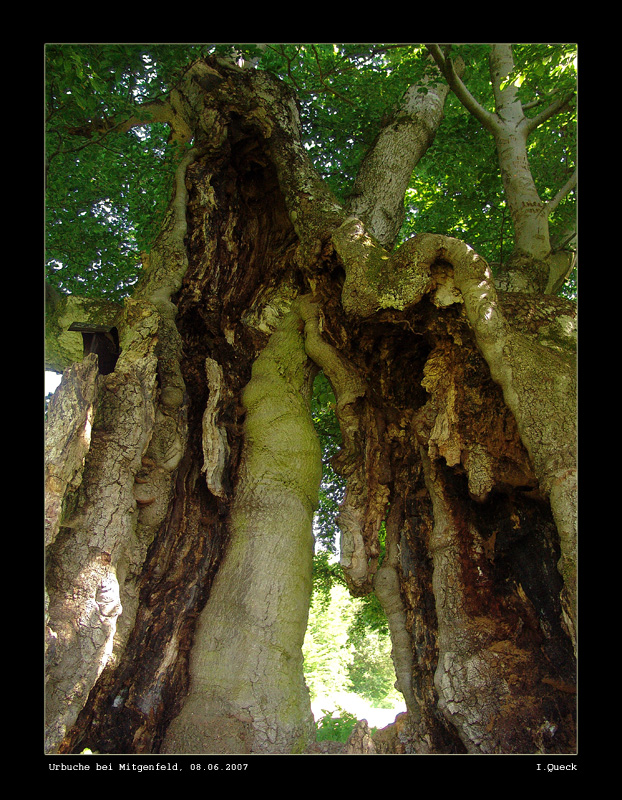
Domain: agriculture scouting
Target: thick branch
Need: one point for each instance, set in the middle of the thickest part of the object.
(378, 195)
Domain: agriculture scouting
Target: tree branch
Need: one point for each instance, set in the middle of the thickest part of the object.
(156, 111)
(531, 123)
(377, 198)
(487, 119)
(567, 187)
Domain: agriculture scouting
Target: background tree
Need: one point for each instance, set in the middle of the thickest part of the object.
(347, 649)
(181, 486)
(539, 268)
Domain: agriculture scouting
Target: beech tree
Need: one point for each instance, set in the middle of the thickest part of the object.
(227, 222)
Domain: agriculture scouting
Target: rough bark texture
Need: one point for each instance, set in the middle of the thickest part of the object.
(379, 202)
(496, 466)
(179, 556)
(95, 542)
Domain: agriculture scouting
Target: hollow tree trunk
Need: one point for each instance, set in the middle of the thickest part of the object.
(180, 536)
(477, 471)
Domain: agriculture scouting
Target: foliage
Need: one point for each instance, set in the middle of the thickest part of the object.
(336, 725)
(347, 647)
(326, 574)
(101, 213)
(325, 650)
(332, 487)
(371, 672)
(106, 192)
(458, 183)
(348, 642)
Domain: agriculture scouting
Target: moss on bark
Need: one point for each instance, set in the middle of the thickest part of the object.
(247, 688)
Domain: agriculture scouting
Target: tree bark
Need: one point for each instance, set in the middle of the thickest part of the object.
(191, 503)
(378, 195)
(531, 230)
(247, 691)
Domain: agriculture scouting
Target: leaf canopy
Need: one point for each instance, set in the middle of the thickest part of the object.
(107, 191)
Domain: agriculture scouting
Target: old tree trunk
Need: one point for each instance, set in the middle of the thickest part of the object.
(180, 500)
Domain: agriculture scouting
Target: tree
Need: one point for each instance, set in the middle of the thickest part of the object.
(181, 486)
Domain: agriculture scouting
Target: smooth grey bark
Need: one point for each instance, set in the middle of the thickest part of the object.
(387, 589)
(531, 267)
(247, 690)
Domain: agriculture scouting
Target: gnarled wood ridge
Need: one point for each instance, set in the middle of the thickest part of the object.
(181, 487)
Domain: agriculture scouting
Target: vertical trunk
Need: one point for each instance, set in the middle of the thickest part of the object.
(529, 215)
(247, 691)
(531, 228)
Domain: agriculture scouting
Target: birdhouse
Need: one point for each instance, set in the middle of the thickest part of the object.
(103, 340)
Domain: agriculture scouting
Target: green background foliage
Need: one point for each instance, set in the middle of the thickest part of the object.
(332, 488)
(347, 648)
(336, 726)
